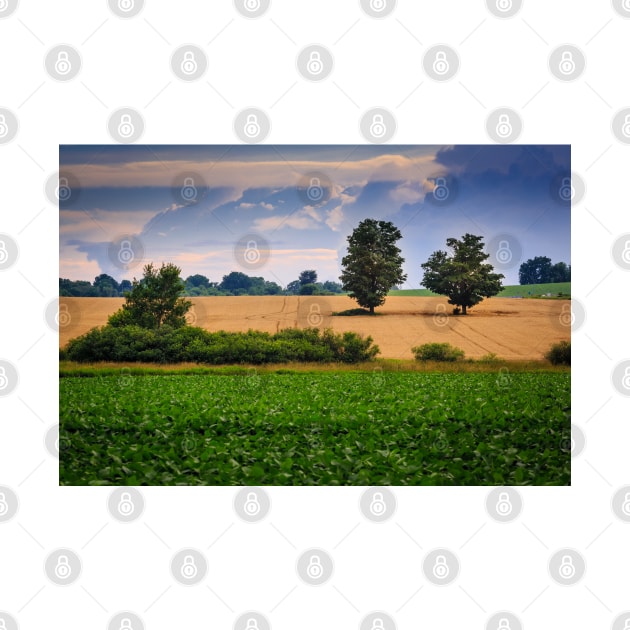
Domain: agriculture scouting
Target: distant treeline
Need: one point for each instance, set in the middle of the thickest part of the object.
(234, 283)
(540, 270)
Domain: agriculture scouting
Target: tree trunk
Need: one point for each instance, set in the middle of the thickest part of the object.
(371, 310)
(463, 309)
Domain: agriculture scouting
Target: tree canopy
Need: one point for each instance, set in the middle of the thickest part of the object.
(463, 276)
(373, 264)
(154, 300)
(540, 270)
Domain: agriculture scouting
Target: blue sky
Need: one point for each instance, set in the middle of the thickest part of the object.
(495, 191)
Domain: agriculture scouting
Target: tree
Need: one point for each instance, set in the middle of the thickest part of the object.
(373, 264)
(105, 286)
(124, 286)
(198, 280)
(560, 272)
(463, 276)
(309, 276)
(155, 300)
(235, 280)
(309, 289)
(293, 288)
(333, 287)
(535, 271)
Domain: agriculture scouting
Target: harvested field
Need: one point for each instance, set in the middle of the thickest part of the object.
(521, 329)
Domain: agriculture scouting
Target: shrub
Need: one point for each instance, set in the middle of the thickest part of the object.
(559, 353)
(491, 357)
(437, 352)
(192, 344)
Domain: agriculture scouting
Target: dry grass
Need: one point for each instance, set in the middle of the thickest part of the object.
(516, 330)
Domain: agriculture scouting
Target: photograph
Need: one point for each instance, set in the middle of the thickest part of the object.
(315, 315)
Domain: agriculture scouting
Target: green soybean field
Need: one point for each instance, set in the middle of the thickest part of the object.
(316, 429)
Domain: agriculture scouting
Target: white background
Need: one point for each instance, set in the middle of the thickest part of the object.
(252, 63)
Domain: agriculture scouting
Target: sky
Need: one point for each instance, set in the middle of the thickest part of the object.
(274, 211)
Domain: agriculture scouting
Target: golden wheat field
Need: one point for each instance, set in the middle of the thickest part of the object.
(516, 329)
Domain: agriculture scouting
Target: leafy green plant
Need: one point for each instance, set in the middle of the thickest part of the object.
(315, 429)
(437, 352)
(559, 353)
(134, 343)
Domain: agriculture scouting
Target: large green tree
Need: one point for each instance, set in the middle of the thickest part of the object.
(536, 270)
(373, 264)
(154, 300)
(308, 276)
(463, 275)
